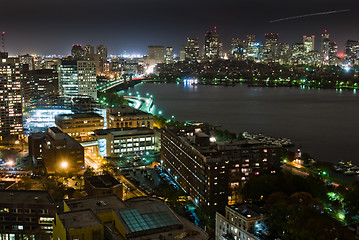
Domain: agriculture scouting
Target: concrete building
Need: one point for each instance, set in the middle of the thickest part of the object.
(80, 126)
(191, 49)
(209, 171)
(102, 185)
(59, 151)
(114, 142)
(126, 116)
(26, 214)
(38, 84)
(11, 125)
(136, 219)
(156, 54)
(78, 78)
(242, 221)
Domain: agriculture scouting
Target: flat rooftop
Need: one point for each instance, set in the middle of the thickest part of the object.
(98, 204)
(25, 197)
(125, 111)
(248, 210)
(124, 131)
(103, 181)
(78, 116)
(79, 219)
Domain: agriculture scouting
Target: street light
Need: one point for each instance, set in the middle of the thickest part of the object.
(64, 164)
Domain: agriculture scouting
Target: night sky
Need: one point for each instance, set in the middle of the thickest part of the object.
(52, 26)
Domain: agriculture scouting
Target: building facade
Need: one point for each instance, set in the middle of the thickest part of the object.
(128, 117)
(11, 121)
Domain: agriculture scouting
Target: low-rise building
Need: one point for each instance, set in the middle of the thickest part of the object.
(136, 218)
(242, 222)
(126, 141)
(209, 171)
(103, 184)
(58, 151)
(80, 126)
(26, 214)
(128, 117)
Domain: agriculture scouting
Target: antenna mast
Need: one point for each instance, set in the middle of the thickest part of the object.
(3, 41)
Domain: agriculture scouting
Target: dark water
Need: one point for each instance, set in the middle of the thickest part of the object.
(325, 122)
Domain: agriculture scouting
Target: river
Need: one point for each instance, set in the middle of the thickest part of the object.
(323, 121)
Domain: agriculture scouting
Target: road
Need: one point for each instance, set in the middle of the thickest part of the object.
(135, 191)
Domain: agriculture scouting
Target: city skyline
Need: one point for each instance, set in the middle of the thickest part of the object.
(133, 25)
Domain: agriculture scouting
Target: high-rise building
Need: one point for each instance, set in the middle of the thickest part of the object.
(325, 47)
(270, 48)
(78, 78)
(308, 42)
(77, 52)
(191, 49)
(156, 54)
(351, 51)
(251, 47)
(28, 60)
(182, 55)
(333, 53)
(298, 53)
(101, 51)
(11, 125)
(169, 54)
(236, 47)
(212, 46)
(89, 50)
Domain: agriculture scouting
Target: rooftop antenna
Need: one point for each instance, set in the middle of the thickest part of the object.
(3, 41)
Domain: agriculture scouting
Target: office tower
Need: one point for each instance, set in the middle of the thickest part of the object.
(333, 53)
(101, 51)
(77, 52)
(211, 45)
(283, 53)
(77, 78)
(298, 53)
(325, 47)
(270, 48)
(28, 60)
(89, 50)
(182, 55)
(156, 54)
(236, 47)
(169, 54)
(11, 126)
(38, 84)
(251, 50)
(351, 51)
(308, 42)
(191, 49)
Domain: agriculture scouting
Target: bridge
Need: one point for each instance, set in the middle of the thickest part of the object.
(120, 84)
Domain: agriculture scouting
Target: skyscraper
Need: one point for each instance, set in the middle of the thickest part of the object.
(192, 49)
(211, 45)
(101, 51)
(351, 51)
(169, 54)
(270, 48)
(325, 47)
(11, 126)
(333, 53)
(308, 42)
(77, 78)
(236, 47)
(251, 47)
(77, 52)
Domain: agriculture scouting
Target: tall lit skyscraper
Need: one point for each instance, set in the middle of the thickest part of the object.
(101, 51)
(169, 54)
(251, 50)
(308, 42)
(212, 46)
(78, 78)
(270, 48)
(192, 49)
(325, 47)
(351, 51)
(11, 126)
(89, 50)
(333, 53)
(77, 52)
(236, 47)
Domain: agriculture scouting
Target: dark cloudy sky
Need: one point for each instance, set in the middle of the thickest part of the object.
(52, 26)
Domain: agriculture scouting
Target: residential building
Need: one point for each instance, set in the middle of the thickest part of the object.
(114, 142)
(136, 218)
(126, 116)
(242, 221)
(209, 171)
(80, 126)
(26, 214)
(11, 125)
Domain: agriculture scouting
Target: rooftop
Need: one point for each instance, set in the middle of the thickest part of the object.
(78, 116)
(25, 197)
(124, 131)
(248, 210)
(104, 203)
(125, 111)
(79, 219)
(103, 181)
